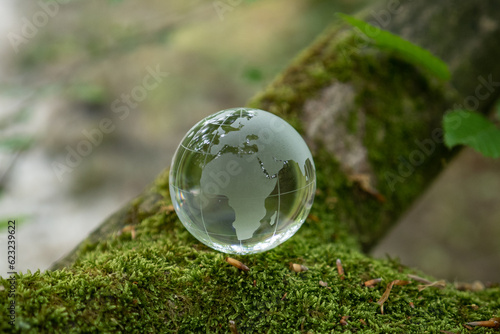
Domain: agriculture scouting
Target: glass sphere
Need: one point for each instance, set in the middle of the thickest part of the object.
(242, 181)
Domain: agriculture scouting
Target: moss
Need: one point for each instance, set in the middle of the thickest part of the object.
(141, 271)
(163, 280)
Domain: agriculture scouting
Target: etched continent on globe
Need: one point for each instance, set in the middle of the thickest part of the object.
(242, 181)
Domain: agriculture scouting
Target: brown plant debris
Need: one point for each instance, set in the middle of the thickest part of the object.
(323, 284)
(232, 327)
(387, 292)
(340, 269)
(426, 283)
(298, 267)
(419, 279)
(492, 323)
(468, 327)
(364, 182)
(385, 296)
(129, 228)
(438, 284)
(238, 264)
(314, 218)
(401, 282)
(371, 283)
(343, 320)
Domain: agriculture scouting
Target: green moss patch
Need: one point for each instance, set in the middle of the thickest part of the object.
(163, 280)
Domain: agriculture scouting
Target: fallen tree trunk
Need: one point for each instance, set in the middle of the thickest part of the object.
(373, 121)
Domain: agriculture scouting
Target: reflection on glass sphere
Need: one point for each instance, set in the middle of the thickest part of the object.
(242, 181)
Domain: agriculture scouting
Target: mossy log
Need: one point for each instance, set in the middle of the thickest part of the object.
(364, 112)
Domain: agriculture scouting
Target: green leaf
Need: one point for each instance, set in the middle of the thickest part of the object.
(404, 48)
(472, 129)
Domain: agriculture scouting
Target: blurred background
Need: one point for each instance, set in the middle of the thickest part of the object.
(153, 69)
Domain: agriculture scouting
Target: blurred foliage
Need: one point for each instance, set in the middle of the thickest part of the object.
(409, 51)
(15, 142)
(88, 92)
(22, 115)
(463, 127)
(20, 220)
(98, 52)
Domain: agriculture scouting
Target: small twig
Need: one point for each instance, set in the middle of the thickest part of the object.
(238, 264)
(340, 269)
(385, 296)
(438, 284)
(426, 283)
(371, 283)
(387, 292)
(419, 279)
(401, 282)
(492, 323)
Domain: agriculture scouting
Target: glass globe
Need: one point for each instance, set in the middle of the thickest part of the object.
(242, 181)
